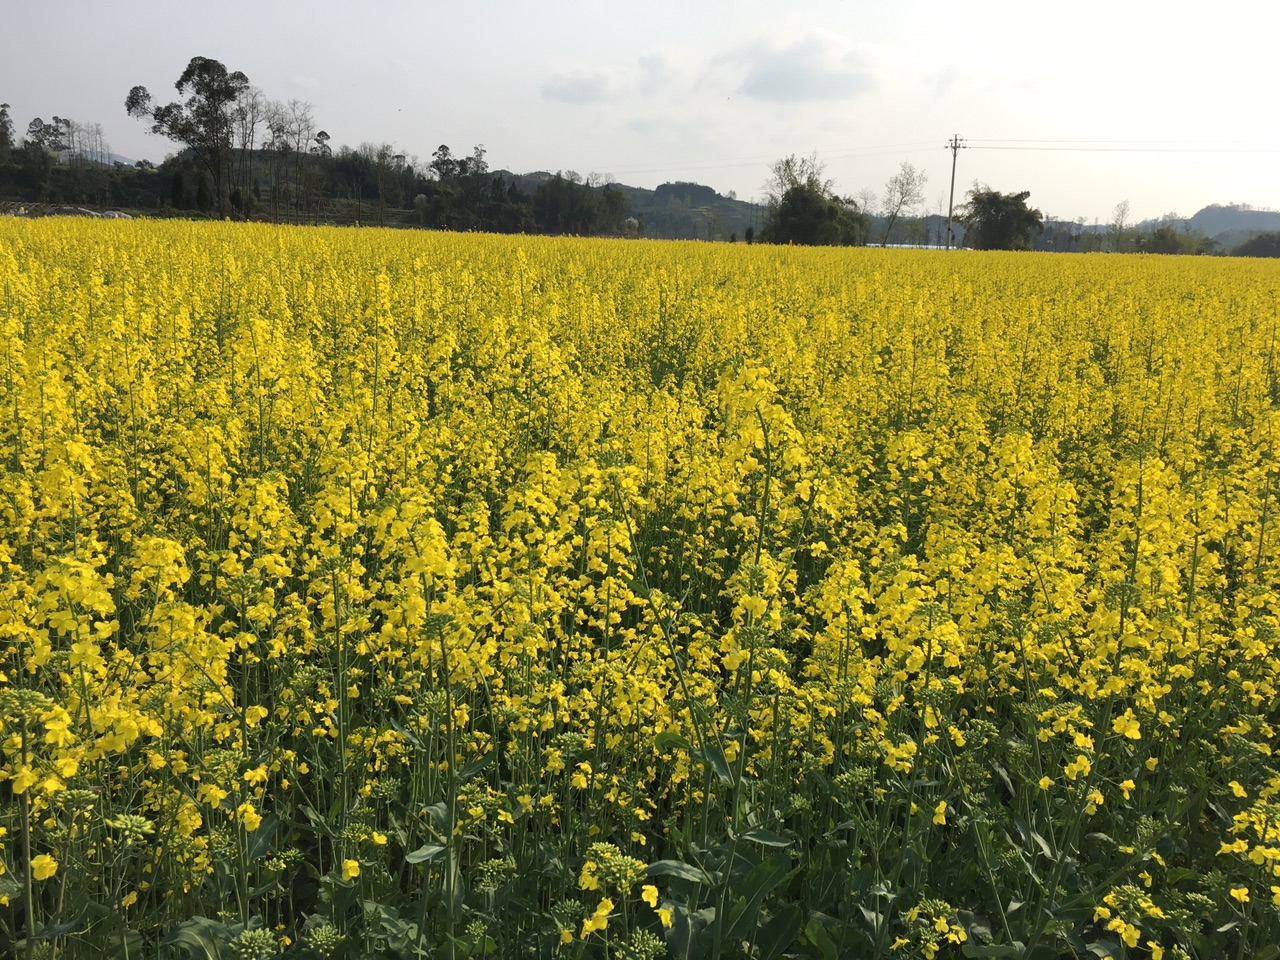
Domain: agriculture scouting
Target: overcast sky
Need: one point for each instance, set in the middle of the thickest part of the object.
(1169, 105)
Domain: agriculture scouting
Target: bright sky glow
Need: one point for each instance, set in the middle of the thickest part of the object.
(1169, 105)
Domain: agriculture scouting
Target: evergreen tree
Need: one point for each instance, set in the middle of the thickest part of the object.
(999, 221)
(6, 133)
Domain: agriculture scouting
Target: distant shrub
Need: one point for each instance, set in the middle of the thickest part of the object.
(1259, 245)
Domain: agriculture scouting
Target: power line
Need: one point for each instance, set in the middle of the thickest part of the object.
(1087, 140)
(1070, 146)
(744, 161)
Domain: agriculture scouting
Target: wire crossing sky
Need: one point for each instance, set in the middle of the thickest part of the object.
(1165, 105)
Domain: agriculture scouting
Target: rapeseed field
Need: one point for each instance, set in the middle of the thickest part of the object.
(393, 594)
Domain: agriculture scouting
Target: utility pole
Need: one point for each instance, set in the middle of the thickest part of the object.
(955, 146)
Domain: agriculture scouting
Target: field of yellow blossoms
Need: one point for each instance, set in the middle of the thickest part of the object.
(394, 594)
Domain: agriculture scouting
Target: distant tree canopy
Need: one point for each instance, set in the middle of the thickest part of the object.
(52, 136)
(1163, 239)
(566, 205)
(1168, 239)
(1260, 245)
(6, 133)
(204, 122)
(681, 190)
(999, 221)
(803, 208)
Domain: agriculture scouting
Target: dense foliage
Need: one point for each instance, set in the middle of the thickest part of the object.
(803, 207)
(408, 594)
(1000, 221)
(1262, 245)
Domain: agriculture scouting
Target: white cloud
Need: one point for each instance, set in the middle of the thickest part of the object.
(944, 80)
(575, 88)
(654, 70)
(813, 67)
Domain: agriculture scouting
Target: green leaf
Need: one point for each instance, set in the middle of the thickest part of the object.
(1029, 837)
(260, 839)
(1003, 774)
(461, 948)
(203, 938)
(425, 853)
(817, 935)
(688, 932)
(750, 892)
(320, 824)
(11, 888)
(475, 766)
(413, 740)
(1104, 948)
(780, 932)
(55, 930)
(438, 812)
(979, 928)
(1014, 949)
(125, 942)
(714, 757)
(271, 886)
(677, 868)
(668, 740)
(766, 837)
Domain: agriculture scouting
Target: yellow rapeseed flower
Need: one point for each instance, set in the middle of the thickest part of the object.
(599, 919)
(43, 866)
(1127, 726)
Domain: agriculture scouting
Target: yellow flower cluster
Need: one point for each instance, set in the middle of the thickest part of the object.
(322, 525)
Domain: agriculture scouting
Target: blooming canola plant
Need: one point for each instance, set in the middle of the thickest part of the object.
(398, 591)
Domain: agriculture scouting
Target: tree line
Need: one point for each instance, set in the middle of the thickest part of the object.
(241, 154)
(804, 208)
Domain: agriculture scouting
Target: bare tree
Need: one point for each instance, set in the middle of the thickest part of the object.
(301, 128)
(1119, 226)
(85, 144)
(248, 112)
(902, 192)
(791, 171)
(276, 145)
(385, 162)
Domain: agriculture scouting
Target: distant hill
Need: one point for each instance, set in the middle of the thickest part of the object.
(1229, 224)
(691, 211)
(672, 211)
(98, 159)
(1216, 219)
